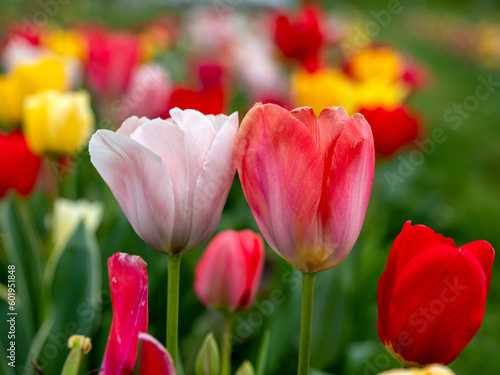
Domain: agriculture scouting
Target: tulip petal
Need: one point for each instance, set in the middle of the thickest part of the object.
(347, 187)
(410, 242)
(139, 181)
(131, 124)
(253, 250)
(448, 281)
(280, 169)
(485, 255)
(155, 359)
(128, 282)
(214, 182)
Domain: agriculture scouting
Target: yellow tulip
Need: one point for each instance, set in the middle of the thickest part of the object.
(11, 99)
(44, 74)
(321, 89)
(381, 63)
(428, 370)
(374, 93)
(56, 122)
(66, 43)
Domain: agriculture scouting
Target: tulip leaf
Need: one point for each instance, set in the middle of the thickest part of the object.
(263, 349)
(74, 281)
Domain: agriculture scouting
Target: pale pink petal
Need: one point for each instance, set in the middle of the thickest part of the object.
(128, 283)
(155, 359)
(348, 189)
(214, 182)
(131, 124)
(280, 169)
(140, 182)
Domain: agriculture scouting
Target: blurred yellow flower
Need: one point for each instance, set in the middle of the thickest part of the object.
(380, 63)
(321, 89)
(66, 43)
(56, 122)
(69, 214)
(373, 93)
(428, 370)
(11, 98)
(43, 74)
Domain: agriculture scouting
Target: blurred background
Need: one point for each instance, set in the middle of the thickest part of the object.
(424, 73)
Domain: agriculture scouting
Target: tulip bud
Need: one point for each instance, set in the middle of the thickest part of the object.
(429, 370)
(208, 359)
(57, 122)
(228, 274)
(246, 368)
(79, 345)
(432, 295)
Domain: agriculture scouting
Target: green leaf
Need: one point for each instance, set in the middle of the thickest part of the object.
(246, 368)
(208, 359)
(263, 349)
(73, 278)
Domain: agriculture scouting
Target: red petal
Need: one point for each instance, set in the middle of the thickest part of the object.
(155, 359)
(410, 242)
(437, 305)
(485, 255)
(128, 282)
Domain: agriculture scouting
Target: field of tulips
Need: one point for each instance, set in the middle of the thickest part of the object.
(249, 187)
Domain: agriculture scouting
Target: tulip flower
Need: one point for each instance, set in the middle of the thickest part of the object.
(11, 97)
(428, 370)
(111, 59)
(228, 278)
(392, 129)
(432, 295)
(19, 166)
(380, 62)
(323, 88)
(171, 178)
(228, 274)
(299, 37)
(57, 122)
(128, 281)
(307, 181)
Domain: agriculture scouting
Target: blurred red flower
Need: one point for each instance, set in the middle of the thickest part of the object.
(19, 166)
(432, 295)
(392, 129)
(299, 36)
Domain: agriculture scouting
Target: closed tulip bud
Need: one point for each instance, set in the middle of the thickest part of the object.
(229, 272)
(208, 359)
(246, 368)
(307, 180)
(171, 177)
(432, 295)
(428, 370)
(57, 122)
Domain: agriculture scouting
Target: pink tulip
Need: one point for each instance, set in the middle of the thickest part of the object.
(229, 272)
(171, 177)
(148, 93)
(307, 180)
(128, 283)
(112, 57)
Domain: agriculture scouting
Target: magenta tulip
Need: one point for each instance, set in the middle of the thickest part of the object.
(128, 283)
(171, 177)
(229, 272)
(307, 180)
(155, 359)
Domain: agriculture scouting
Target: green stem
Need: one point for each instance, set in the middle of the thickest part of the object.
(306, 322)
(227, 343)
(174, 266)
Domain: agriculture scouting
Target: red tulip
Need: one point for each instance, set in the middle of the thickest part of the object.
(300, 37)
(128, 281)
(392, 129)
(228, 274)
(307, 180)
(112, 57)
(19, 166)
(432, 295)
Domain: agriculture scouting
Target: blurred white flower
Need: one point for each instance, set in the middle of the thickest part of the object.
(428, 370)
